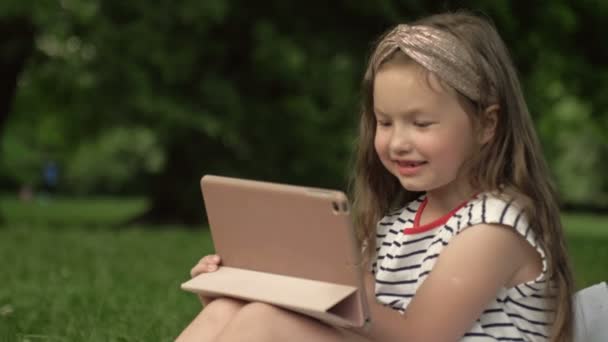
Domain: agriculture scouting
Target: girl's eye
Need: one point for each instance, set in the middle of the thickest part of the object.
(422, 124)
(383, 123)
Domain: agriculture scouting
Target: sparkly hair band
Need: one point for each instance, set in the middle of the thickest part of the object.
(437, 51)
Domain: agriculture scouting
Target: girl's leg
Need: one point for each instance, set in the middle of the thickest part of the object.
(257, 322)
(211, 320)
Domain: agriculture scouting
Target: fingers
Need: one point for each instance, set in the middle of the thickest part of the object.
(213, 258)
(208, 263)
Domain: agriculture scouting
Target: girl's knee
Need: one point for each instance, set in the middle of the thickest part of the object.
(257, 309)
(222, 310)
(258, 315)
(211, 320)
(254, 322)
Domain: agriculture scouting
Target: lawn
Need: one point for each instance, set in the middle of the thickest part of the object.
(70, 273)
(70, 279)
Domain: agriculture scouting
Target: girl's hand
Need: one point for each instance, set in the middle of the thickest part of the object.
(209, 263)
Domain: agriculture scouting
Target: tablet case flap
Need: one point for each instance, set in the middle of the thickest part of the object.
(333, 303)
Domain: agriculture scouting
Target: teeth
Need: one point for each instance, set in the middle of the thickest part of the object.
(410, 163)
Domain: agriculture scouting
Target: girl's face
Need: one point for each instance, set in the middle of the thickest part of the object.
(423, 135)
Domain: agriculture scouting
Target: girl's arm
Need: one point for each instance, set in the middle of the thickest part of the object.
(466, 278)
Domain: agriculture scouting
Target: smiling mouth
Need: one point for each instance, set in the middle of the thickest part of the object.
(410, 163)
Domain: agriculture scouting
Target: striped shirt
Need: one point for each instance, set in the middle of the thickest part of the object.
(406, 253)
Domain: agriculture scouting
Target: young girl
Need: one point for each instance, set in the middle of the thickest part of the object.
(459, 223)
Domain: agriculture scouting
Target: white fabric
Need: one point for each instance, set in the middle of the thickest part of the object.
(591, 314)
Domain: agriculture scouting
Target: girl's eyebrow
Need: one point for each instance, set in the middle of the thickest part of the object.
(410, 112)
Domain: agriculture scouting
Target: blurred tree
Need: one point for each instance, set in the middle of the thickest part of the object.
(114, 162)
(269, 90)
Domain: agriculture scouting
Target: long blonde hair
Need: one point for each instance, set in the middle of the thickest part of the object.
(512, 163)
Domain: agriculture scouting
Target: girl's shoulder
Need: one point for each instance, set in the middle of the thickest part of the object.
(495, 208)
(505, 210)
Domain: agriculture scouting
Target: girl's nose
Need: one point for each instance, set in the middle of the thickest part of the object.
(400, 142)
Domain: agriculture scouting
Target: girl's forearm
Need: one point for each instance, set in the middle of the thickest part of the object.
(387, 325)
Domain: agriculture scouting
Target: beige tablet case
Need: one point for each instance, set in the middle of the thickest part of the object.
(286, 245)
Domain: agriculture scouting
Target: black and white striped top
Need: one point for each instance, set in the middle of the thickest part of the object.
(407, 252)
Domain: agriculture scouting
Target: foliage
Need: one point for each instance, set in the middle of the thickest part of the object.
(252, 90)
(21, 164)
(114, 162)
(119, 160)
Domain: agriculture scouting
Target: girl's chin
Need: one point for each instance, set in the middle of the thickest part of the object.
(412, 186)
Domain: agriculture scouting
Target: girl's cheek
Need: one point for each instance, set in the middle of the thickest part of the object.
(430, 142)
(379, 143)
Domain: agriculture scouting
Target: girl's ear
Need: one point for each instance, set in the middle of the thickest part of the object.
(489, 123)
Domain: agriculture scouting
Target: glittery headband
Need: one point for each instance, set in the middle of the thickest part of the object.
(437, 51)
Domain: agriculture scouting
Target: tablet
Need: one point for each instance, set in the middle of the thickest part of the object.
(291, 246)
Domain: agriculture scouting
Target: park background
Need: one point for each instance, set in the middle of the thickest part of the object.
(111, 111)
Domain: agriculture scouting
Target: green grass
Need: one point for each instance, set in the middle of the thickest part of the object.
(587, 237)
(66, 276)
(51, 211)
(84, 283)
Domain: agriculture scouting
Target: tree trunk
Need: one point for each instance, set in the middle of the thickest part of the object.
(16, 46)
(175, 196)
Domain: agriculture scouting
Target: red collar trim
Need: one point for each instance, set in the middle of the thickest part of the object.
(417, 228)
